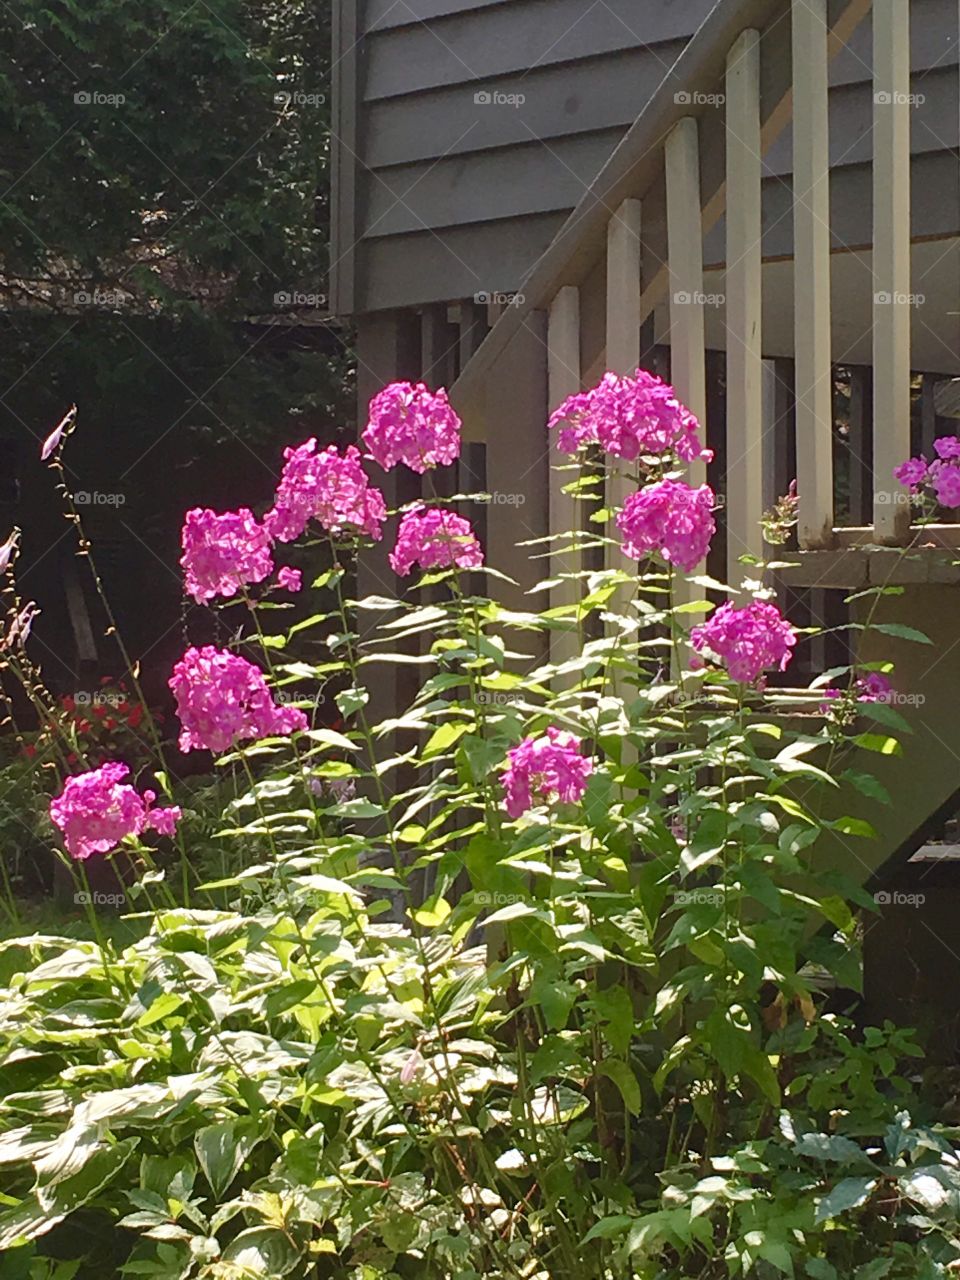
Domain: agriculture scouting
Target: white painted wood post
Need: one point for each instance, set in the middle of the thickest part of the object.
(891, 265)
(688, 368)
(624, 265)
(811, 222)
(688, 371)
(744, 307)
(563, 379)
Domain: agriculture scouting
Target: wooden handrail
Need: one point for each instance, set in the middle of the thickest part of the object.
(637, 163)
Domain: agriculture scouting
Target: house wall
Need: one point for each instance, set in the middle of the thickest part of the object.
(446, 195)
(440, 196)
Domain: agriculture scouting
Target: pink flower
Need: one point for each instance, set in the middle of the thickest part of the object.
(551, 766)
(413, 425)
(434, 538)
(671, 518)
(749, 641)
(947, 448)
(55, 438)
(945, 477)
(874, 687)
(326, 487)
(629, 416)
(222, 699)
(96, 810)
(289, 579)
(829, 697)
(912, 473)
(222, 553)
(8, 550)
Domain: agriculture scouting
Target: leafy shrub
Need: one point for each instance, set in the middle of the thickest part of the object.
(524, 980)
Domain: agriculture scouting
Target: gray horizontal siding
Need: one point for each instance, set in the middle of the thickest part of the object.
(535, 178)
(599, 93)
(490, 258)
(440, 178)
(455, 197)
(381, 15)
(511, 39)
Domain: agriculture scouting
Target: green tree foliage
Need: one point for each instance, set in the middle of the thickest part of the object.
(163, 181)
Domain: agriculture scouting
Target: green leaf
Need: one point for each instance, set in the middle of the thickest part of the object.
(877, 742)
(821, 1269)
(847, 1194)
(901, 631)
(609, 1228)
(443, 738)
(263, 1251)
(626, 1082)
(823, 1146)
(222, 1148)
(351, 700)
(867, 785)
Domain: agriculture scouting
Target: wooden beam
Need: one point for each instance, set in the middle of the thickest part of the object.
(891, 264)
(860, 437)
(744, 307)
(811, 221)
(518, 471)
(635, 167)
(563, 377)
(624, 262)
(685, 253)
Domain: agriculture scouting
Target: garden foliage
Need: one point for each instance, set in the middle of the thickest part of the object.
(537, 977)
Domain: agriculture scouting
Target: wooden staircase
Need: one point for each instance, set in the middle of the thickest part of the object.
(632, 253)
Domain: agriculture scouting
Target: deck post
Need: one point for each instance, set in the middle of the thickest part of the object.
(891, 267)
(563, 341)
(744, 307)
(811, 218)
(518, 468)
(624, 266)
(688, 367)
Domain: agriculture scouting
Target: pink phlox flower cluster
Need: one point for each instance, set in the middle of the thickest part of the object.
(629, 416)
(942, 474)
(873, 687)
(329, 487)
(222, 699)
(97, 810)
(551, 766)
(434, 538)
(290, 579)
(223, 553)
(749, 640)
(671, 518)
(412, 425)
